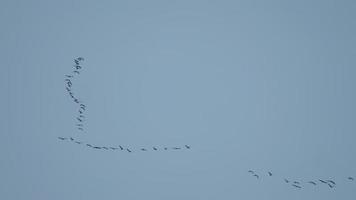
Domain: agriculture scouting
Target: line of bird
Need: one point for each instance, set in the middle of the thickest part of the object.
(80, 118)
(122, 148)
(297, 184)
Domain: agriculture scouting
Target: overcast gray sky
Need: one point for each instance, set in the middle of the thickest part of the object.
(262, 85)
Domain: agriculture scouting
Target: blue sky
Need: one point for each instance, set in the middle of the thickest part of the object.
(262, 85)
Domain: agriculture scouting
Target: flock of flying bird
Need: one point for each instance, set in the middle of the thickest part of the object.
(80, 118)
(297, 184)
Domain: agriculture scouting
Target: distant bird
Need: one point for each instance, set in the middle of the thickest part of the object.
(78, 67)
(97, 147)
(89, 145)
(350, 178)
(81, 116)
(154, 148)
(176, 148)
(322, 181)
(80, 58)
(79, 119)
(186, 146)
(143, 149)
(165, 148)
(269, 173)
(250, 171)
(80, 111)
(113, 148)
(76, 71)
(330, 185)
(76, 61)
(286, 180)
(255, 175)
(312, 182)
(76, 101)
(80, 128)
(78, 142)
(71, 139)
(129, 150)
(296, 182)
(330, 181)
(69, 76)
(62, 138)
(105, 148)
(297, 186)
(79, 124)
(121, 147)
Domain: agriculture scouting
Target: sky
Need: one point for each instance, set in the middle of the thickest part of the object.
(261, 85)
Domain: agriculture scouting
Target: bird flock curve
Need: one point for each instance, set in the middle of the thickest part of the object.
(80, 119)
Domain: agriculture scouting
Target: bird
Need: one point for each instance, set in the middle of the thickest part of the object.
(71, 139)
(269, 173)
(78, 142)
(97, 147)
(80, 58)
(286, 180)
(76, 101)
(186, 146)
(80, 111)
(350, 178)
(79, 124)
(129, 150)
(154, 148)
(105, 148)
(81, 116)
(250, 171)
(322, 181)
(76, 61)
(312, 182)
(330, 185)
(297, 186)
(121, 147)
(330, 181)
(143, 149)
(79, 119)
(113, 148)
(76, 71)
(255, 175)
(69, 76)
(176, 148)
(165, 148)
(62, 138)
(296, 182)
(89, 145)
(78, 67)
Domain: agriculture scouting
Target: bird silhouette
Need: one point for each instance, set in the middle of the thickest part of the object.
(330, 185)
(143, 149)
(76, 72)
(297, 186)
(312, 182)
(154, 148)
(186, 146)
(286, 180)
(129, 150)
(350, 178)
(255, 175)
(121, 147)
(89, 145)
(71, 139)
(62, 138)
(176, 148)
(79, 119)
(250, 171)
(269, 173)
(69, 76)
(322, 181)
(80, 58)
(331, 181)
(296, 182)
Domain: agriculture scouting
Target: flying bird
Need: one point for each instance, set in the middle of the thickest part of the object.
(129, 150)
(296, 182)
(312, 182)
(62, 138)
(330, 181)
(255, 175)
(143, 149)
(186, 146)
(80, 58)
(286, 180)
(154, 148)
(330, 185)
(71, 139)
(350, 178)
(176, 148)
(69, 76)
(322, 181)
(269, 173)
(297, 186)
(76, 71)
(89, 145)
(250, 171)
(79, 119)
(121, 147)
(78, 142)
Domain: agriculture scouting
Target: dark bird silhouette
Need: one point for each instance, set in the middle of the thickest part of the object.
(269, 173)
(121, 147)
(255, 175)
(78, 67)
(76, 101)
(105, 148)
(186, 146)
(89, 145)
(113, 148)
(331, 181)
(312, 182)
(250, 171)
(143, 149)
(176, 148)
(76, 61)
(322, 181)
(71, 139)
(80, 111)
(69, 76)
(129, 150)
(76, 71)
(80, 58)
(286, 180)
(154, 148)
(80, 128)
(78, 142)
(350, 178)
(79, 119)
(297, 186)
(62, 138)
(296, 182)
(330, 185)
(97, 147)
(165, 148)
(79, 124)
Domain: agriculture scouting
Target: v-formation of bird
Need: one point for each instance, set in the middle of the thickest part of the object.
(299, 185)
(80, 118)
